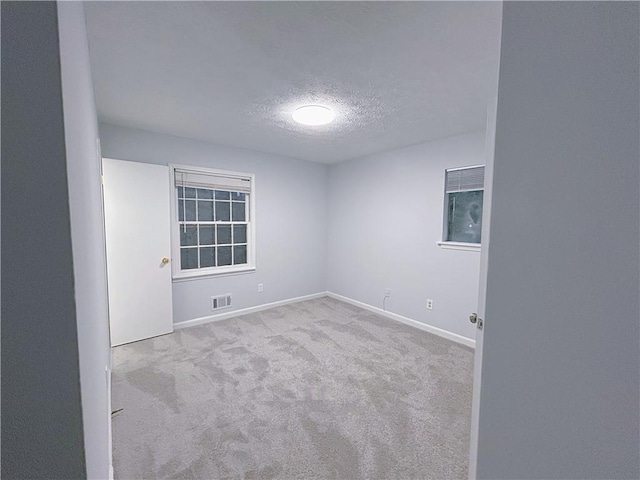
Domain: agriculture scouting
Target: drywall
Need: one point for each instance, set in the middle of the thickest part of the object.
(385, 219)
(42, 429)
(561, 360)
(89, 266)
(290, 214)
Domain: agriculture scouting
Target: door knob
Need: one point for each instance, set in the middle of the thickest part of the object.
(473, 318)
(165, 260)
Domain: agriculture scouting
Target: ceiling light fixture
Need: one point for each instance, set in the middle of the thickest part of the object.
(313, 115)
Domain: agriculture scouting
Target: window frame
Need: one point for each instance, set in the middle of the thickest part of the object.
(176, 272)
(444, 243)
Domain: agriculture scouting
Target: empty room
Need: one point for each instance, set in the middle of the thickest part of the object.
(320, 240)
(293, 199)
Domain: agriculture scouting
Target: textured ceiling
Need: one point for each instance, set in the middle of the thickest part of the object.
(396, 73)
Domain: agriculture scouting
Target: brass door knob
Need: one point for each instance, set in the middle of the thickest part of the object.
(165, 260)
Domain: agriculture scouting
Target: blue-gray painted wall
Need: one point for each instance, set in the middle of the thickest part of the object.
(291, 218)
(561, 364)
(42, 429)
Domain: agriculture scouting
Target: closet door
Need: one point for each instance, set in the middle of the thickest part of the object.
(138, 239)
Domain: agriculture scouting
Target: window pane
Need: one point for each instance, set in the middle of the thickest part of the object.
(180, 192)
(207, 235)
(188, 258)
(189, 192)
(180, 210)
(237, 196)
(188, 235)
(237, 209)
(190, 210)
(207, 257)
(465, 217)
(224, 256)
(221, 195)
(224, 234)
(205, 193)
(239, 254)
(205, 211)
(239, 234)
(223, 211)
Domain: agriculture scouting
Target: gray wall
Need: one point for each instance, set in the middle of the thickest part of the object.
(42, 434)
(561, 363)
(385, 217)
(83, 168)
(291, 215)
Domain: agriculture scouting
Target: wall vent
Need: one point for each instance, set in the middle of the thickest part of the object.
(221, 301)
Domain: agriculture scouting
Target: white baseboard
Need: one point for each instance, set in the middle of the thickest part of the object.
(244, 311)
(407, 321)
(393, 316)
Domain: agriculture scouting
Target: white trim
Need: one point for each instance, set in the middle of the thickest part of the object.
(407, 321)
(393, 316)
(212, 171)
(463, 168)
(472, 247)
(108, 367)
(203, 276)
(244, 311)
(109, 410)
(490, 147)
(210, 272)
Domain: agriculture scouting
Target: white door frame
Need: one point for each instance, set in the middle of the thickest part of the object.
(106, 294)
(482, 287)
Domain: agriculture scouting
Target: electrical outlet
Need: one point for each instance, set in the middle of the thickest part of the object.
(260, 287)
(387, 292)
(429, 304)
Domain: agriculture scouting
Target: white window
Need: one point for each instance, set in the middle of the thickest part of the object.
(213, 221)
(464, 191)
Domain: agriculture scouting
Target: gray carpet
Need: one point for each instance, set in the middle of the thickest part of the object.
(317, 389)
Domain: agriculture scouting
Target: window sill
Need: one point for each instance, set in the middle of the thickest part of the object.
(186, 277)
(470, 247)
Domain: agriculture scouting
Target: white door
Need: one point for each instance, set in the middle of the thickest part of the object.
(138, 238)
(482, 290)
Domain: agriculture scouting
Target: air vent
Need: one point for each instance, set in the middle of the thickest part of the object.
(221, 301)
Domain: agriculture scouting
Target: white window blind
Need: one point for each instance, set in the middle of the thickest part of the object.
(185, 178)
(464, 179)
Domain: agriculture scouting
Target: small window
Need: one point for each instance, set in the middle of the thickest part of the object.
(212, 222)
(464, 191)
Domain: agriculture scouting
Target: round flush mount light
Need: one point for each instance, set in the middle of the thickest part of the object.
(313, 115)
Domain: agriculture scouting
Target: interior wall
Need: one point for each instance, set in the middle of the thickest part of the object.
(89, 267)
(42, 428)
(291, 214)
(385, 219)
(561, 357)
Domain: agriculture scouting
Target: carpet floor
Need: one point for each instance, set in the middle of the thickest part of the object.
(314, 390)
